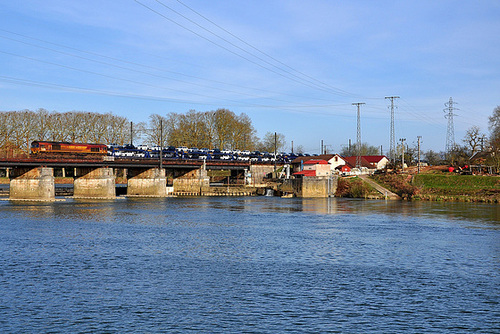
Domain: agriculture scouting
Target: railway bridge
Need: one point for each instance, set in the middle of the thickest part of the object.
(34, 178)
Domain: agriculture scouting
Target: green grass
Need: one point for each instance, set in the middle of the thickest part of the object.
(452, 184)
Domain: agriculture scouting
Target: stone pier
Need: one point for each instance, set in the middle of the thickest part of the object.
(147, 182)
(35, 184)
(195, 181)
(94, 183)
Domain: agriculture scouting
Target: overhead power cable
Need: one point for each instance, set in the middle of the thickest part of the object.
(264, 53)
(292, 78)
(144, 66)
(33, 83)
(139, 71)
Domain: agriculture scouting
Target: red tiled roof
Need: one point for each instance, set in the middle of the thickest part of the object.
(326, 157)
(351, 162)
(315, 162)
(306, 173)
(374, 158)
(344, 168)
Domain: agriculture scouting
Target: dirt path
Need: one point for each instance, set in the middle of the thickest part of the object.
(384, 191)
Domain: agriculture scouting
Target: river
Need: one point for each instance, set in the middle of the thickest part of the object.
(249, 265)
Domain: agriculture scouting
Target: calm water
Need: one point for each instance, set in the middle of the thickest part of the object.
(253, 265)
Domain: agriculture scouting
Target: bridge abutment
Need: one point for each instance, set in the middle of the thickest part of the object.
(94, 183)
(147, 182)
(32, 184)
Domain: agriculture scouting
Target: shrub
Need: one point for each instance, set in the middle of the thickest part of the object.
(400, 184)
(354, 188)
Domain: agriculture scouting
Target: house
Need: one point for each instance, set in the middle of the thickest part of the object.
(377, 161)
(368, 163)
(315, 167)
(333, 160)
(344, 169)
(351, 161)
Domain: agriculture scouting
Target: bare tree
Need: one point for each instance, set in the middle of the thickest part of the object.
(56, 127)
(157, 133)
(268, 142)
(473, 140)
(433, 158)
(366, 149)
(224, 119)
(42, 129)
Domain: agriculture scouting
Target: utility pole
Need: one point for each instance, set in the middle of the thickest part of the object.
(450, 133)
(418, 154)
(392, 146)
(161, 145)
(358, 149)
(131, 134)
(403, 154)
(275, 149)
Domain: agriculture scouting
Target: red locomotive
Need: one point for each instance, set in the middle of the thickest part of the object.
(52, 148)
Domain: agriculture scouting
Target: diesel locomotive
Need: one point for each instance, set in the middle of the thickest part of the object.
(66, 149)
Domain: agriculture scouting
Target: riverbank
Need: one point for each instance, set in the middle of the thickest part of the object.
(443, 187)
(425, 186)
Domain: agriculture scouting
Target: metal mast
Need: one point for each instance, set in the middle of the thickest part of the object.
(402, 153)
(392, 146)
(418, 154)
(358, 142)
(450, 133)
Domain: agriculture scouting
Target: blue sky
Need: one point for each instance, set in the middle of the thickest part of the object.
(294, 67)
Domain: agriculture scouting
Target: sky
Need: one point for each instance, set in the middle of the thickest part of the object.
(294, 67)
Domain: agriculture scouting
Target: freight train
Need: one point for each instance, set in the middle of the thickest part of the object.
(52, 149)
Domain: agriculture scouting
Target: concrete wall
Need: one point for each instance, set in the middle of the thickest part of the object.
(94, 183)
(310, 186)
(195, 181)
(258, 172)
(147, 182)
(32, 184)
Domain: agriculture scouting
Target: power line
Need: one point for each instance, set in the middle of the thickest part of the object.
(114, 59)
(262, 52)
(32, 83)
(139, 71)
(292, 77)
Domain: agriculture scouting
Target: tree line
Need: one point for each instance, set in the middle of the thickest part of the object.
(221, 129)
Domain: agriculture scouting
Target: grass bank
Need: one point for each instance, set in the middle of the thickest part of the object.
(443, 187)
(355, 188)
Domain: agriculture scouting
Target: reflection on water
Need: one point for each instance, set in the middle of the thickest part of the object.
(249, 264)
(105, 209)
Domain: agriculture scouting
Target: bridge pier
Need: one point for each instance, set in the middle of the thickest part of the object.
(195, 181)
(147, 182)
(94, 183)
(32, 184)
